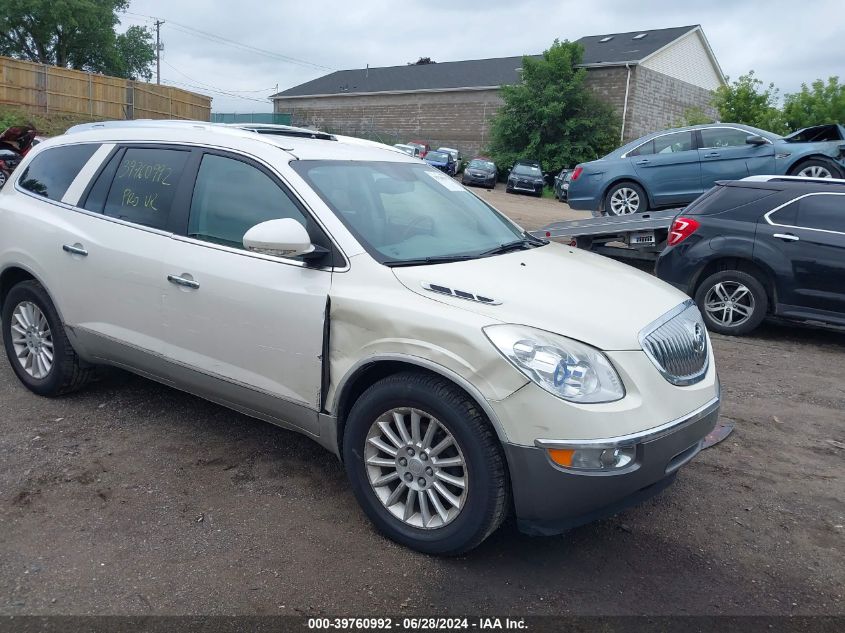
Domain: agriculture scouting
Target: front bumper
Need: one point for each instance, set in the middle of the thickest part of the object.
(550, 499)
(471, 179)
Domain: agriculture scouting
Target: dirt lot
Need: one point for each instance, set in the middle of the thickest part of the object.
(132, 498)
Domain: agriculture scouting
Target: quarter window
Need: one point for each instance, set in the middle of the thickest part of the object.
(672, 143)
(723, 137)
(643, 150)
(230, 197)
(786, 216)
(824, 211)
(144, 186)
(50, 173)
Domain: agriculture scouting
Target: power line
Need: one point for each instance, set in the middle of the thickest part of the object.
(215, 88)
(213, 91)
(219, 39)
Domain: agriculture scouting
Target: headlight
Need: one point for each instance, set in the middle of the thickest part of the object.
(565, 368)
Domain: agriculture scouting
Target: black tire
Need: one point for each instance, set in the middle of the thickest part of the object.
(821, 163)
(732, 279)
(491, 187)
(488, 494)
(68, 372)
(508, 190)
(627, 184)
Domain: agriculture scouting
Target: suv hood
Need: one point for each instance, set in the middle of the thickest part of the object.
(556, 288)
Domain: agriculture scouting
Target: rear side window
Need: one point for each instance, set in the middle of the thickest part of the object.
(50, 173)
(823, 211)
(672, 143)
(144, 185)
(723, 198)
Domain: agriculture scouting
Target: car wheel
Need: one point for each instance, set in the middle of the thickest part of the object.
(732, 302)
(36, 344)
(425, 464)
(3, 178)
(816, 168)
(491, 187)
(508, 190)
(625, 198)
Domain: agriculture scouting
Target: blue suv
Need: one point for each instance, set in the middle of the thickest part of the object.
(673, 167)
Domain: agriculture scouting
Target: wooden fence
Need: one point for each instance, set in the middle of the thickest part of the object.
(46, 90)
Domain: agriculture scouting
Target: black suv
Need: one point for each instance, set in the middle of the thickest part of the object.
(766, 245)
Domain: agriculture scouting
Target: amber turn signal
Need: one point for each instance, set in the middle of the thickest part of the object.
(561, 456)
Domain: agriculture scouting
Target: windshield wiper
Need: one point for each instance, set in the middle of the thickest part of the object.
(436, 259)
(527, 242)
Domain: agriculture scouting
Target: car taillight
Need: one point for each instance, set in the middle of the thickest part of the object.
(681, 229)
(577, 173)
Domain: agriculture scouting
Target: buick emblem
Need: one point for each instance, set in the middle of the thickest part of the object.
(699, 341)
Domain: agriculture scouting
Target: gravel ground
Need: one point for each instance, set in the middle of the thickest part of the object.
(133, 498)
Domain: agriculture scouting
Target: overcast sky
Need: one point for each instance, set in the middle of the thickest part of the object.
(784, 42)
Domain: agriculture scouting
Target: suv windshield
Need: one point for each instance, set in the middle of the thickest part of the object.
(407, 212)
(527, 170)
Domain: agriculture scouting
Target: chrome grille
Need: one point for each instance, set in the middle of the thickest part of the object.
(677, 344)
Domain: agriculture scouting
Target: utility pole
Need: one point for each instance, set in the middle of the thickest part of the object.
(158, 50)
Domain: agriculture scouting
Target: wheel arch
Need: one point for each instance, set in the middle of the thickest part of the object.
(368, 371)
(743, 264)
(13, 275)
(799, 160)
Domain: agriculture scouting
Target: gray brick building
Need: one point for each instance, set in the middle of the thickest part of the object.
(651, 78)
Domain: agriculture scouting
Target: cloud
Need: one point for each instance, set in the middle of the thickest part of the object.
(783, 43)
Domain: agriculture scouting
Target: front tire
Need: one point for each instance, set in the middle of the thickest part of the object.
(36, 344)
(816, 168)
(625, 198)
(732, 302)
(425, 464)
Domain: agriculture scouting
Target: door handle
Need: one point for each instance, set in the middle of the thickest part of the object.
(75, 249)
(644, 161)
(182, 281)
(712, 155)
(787, 237)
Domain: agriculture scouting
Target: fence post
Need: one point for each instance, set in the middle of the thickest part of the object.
(130, 100)
(90, 97)
(43, 87)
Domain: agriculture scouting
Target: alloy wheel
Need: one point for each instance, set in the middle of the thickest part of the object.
(32, 339)
(815, 171)
(729, 303)
(624, 201)
(416, 468)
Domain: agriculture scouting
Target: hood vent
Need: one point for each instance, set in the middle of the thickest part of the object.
(460, 294)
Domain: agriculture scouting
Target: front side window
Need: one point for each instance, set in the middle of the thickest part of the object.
(230, 197)
(723, 137)
(672, 143)
(406, 211)
(823, 211)
(50, 173)
(144, 186)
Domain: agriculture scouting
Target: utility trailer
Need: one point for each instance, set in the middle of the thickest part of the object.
(640, 236)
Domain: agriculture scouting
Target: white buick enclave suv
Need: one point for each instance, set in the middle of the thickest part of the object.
(459, 367)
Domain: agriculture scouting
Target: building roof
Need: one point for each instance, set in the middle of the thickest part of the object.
(622, 48)
(599, 50)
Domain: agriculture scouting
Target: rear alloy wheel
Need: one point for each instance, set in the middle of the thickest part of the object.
(625, 198)
(816, 168)
(425, 464)
(732, 302)
(36, 344)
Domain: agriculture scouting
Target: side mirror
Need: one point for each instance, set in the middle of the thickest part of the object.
(754, 139)
(282, 238)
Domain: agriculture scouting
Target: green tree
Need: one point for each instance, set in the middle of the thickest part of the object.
(822, 102)
(76, 34)
(551, 116)
(693, 116)
(746, 101)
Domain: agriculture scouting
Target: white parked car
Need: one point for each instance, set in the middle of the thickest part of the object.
(410, 150)
(459, 367)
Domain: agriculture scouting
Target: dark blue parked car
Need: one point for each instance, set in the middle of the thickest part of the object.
(443, 161)
(673, 167)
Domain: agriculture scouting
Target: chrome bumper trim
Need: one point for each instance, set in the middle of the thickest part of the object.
(640, 437)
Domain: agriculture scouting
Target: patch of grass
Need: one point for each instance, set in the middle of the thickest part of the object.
(51, 125)
(548, 192)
